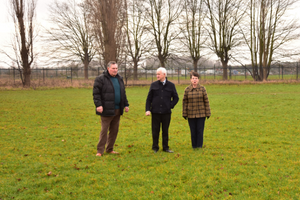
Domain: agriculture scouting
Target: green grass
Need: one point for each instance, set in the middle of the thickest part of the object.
(252, 147)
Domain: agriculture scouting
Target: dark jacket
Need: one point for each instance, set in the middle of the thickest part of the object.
(161, 98)
(104, 94)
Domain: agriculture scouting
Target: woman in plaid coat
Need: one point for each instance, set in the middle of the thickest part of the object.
(195, 108)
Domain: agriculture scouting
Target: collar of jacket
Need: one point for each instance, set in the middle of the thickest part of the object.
(106, 73)
(190, 87)
(162, 82)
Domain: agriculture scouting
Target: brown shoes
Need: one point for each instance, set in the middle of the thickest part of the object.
(112, 152)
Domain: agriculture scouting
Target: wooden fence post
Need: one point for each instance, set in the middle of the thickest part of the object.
(297, 72)
(178, 75)
(214, 72)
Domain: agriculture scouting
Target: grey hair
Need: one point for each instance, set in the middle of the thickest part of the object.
(163, 70)
(111, 63)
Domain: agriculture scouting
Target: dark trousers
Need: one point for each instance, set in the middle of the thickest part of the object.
(157, 120)
(197, 128)
(111, 124)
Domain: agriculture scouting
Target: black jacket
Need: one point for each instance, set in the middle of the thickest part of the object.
(161, 98)
(104, 94)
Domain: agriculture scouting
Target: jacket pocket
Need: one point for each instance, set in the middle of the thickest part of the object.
(156, 92)
(168, 92)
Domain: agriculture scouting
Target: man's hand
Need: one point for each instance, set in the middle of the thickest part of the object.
(126, 109)
(100, 109)
(148, 113)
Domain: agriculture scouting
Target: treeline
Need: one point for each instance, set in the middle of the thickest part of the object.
(252, 33)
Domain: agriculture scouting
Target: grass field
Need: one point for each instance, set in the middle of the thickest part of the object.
(49, 137)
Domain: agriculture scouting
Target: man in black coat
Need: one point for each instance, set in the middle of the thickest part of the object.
(162, 97)
(110, 100)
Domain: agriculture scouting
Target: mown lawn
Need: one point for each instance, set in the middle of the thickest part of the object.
(49, 137)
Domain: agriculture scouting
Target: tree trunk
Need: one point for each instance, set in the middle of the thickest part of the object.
(195, 63)
(265, 77)
(162, 61)
(225, 67)
(110, 53)
(86, 69)
(135, 70)
(24, 50)
(255, 73)
(260, 72)
(109, 25)
(26, 75)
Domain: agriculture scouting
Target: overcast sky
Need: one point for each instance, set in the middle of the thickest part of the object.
(6, 26)
(6, 21)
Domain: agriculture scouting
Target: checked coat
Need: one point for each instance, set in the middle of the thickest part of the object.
(195, 102)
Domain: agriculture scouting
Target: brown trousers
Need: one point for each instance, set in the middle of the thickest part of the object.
(111, 124)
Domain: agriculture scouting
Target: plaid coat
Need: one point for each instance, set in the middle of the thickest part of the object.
(195, 102)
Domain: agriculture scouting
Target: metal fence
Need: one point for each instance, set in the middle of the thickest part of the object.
(148, 75)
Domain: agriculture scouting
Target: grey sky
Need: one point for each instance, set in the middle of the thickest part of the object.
(6, 26)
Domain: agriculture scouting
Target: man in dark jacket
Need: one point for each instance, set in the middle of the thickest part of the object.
(110, 100)
(162, 97)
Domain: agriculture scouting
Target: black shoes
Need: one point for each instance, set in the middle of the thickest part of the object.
(168, 151)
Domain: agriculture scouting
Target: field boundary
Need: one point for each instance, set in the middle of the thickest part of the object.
(62, 83)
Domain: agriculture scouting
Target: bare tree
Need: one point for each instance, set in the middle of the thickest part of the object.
(194, 37)
(23, 14)
(70, 36)
(162, 16)
(224, 17)
(267, 32)
(138, 42)
(108, 18)
(94, 19)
